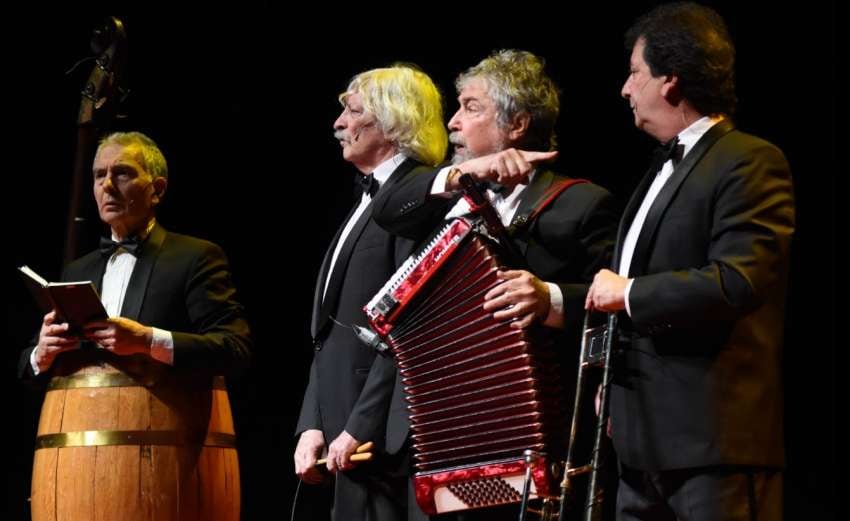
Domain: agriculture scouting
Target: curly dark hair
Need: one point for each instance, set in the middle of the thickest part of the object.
(692, 42)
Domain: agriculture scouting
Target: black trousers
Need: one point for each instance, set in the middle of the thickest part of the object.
(722, 493)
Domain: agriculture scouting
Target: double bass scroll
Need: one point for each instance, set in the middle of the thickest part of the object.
(101, 96)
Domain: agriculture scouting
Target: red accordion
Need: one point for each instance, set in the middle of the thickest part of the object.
(479, 392)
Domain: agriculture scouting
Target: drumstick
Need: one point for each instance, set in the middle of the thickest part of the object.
(361, 453)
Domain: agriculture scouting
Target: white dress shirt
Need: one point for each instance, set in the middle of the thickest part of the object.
(116, 278)
(381, 174)
(688, 138)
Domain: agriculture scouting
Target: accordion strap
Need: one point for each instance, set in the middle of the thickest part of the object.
(480, 205)
(551, 193)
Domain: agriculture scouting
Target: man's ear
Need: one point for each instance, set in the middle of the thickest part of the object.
(159, 186)
(518, 128)
(670, 89)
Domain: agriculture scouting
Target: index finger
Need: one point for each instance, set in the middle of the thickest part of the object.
(588, 300)
(508, 274)
(536, 157)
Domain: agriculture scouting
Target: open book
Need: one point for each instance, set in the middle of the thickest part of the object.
(76, 303)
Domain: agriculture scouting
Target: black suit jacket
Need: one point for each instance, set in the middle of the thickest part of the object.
(182, 285)
(349, 387)
(567, 243)
(700, 382)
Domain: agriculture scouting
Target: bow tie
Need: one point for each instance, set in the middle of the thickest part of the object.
(108, 246)
(369, 185)
(670, 151)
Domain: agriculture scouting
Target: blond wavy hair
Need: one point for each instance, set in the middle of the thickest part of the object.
(408, 108)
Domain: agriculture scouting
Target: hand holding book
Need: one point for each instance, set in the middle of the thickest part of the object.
(76, 303)
(53, 338)
(68, 307)
(120, 335)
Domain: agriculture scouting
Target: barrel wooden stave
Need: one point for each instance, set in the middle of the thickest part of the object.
(189, 482)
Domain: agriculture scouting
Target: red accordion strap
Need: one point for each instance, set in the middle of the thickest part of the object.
(550, 194)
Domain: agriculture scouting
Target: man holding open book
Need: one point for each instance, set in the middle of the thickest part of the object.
(138, 396)
(169, 297)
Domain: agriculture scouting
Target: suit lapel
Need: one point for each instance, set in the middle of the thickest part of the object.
(629, 214)
(93, 271)
(323, 276)
(136, 288)
(530, 196)
(519, 223)
(331, 295)
(668, 192)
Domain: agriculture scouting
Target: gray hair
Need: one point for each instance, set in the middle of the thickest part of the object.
(517, 83)
(149, 155)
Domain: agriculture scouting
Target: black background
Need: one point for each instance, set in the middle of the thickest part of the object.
(242, 98)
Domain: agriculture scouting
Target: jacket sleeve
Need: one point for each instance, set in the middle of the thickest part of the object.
(367, 419)
(408, 209)
(595, 238)
(219, 336)
(310, 416)
(750, 239)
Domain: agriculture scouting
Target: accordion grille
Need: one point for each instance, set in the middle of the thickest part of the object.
(477, 389)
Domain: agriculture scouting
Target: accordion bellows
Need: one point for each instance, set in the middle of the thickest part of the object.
(479, 392)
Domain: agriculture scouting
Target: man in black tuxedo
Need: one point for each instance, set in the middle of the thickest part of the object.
(701, 271)
(170, 297)
(390, 127)
(174, 325)
(508, 108)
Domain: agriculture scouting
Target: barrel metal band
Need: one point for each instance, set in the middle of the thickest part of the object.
(103, 438)
(110, 380)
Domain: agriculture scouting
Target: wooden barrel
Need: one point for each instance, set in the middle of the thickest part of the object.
(124, 440)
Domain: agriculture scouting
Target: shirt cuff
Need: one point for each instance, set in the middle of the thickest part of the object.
(162, 346)
(34, 365)
(438, 187)
(626, 296)
(555, 318)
